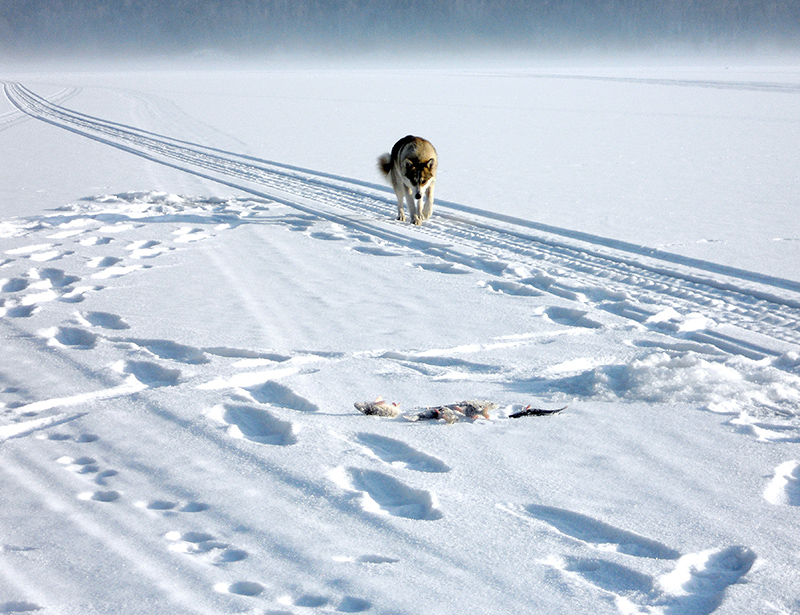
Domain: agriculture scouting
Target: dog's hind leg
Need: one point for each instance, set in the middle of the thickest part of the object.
(401, 215)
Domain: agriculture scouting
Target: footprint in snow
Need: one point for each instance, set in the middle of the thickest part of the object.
(205, 546)
(699, 581)
(381, 494)
(275, 394)
(173, 507)
(102, 262)
(695, 586)
(327, 236)
(240, 588)
(149, 374)
(784, 487)
(104, 320)
(254, 424)
(19, 311)
(347, 604)
(102, 477)
(146, 249)
(610, 576)
(57, 278)
(400, 454)
(78, 294)
(81, 465)
(599, 534)
(100, 496)
(14, 285)
(70, 337)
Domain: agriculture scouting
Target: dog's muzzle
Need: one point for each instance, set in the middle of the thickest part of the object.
(418, 195)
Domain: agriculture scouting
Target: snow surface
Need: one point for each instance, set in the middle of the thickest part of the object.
(200, 274)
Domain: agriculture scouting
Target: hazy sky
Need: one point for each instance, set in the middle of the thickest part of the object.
(53, 27)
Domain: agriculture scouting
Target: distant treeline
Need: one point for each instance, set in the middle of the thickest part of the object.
(164, 25)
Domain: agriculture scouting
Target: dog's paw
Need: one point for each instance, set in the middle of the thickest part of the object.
(417, 220)
(401, 217)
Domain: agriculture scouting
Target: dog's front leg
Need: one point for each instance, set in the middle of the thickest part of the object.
(427, 210)
(414, 209)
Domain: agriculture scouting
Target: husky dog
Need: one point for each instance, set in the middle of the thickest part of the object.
(411, 169)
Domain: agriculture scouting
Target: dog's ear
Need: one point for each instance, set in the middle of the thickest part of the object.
(430, 163)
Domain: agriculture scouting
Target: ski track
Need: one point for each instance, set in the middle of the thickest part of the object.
(658, 292)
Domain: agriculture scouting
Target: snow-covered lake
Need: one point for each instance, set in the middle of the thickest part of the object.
(200, 274)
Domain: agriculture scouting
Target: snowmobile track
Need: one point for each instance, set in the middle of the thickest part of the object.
(625, 279)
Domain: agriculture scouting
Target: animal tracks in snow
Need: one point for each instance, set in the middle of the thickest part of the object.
(382, 494)
(171, 506)
(204, 546)
(695, 585)
(593, 287)
(89, 467)
(90, 244)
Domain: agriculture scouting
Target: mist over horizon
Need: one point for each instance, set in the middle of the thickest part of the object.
(51, 29)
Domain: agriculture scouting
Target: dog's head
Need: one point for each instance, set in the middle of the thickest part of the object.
(419, 175)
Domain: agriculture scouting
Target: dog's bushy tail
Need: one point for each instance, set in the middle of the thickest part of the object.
(385, 164)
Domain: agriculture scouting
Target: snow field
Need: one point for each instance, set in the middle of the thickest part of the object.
(179, 371)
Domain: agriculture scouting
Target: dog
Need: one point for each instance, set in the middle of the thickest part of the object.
(411, 170)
